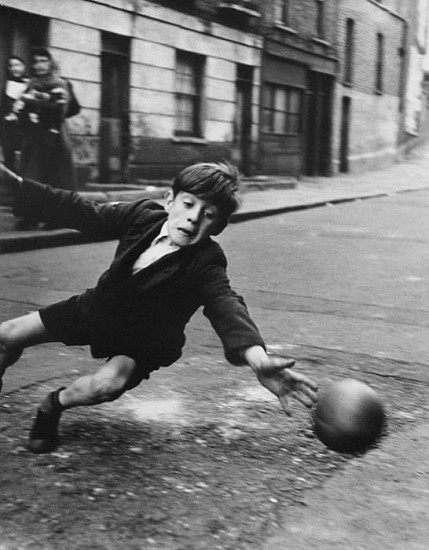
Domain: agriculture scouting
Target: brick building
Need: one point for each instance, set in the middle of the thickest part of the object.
(352, 73)
(369, 85)
(298, 75)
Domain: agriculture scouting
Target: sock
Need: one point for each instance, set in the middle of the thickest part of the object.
(51, 403)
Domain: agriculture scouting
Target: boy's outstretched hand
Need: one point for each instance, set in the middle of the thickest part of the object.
(276, 375)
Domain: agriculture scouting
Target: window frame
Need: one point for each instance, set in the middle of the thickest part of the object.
(349, 51)
(283, 15)
(320, 20)
(269, 110)
(192, 97)
(379, 66)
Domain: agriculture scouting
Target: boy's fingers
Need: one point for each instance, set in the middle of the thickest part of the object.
(309, 392)
(304, 399)
(285, 405)
(307, 383)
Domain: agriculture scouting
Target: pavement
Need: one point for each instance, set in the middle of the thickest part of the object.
(263, 196)
(380, 500)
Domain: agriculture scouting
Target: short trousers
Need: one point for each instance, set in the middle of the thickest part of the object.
(68, 322)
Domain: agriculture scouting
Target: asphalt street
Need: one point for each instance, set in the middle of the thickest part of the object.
(344, 290)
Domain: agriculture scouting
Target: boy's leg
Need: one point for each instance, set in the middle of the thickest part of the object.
(17, 334)
(118, 375)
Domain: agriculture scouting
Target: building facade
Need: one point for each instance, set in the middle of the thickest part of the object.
(287, 87)
(414, 121)
(298, 74)
(369, 86)
(159, 87)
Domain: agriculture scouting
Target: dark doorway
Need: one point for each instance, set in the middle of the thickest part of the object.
(20, 32)
(344, 137)
(319, 108)
(243, 117)
(114, 138)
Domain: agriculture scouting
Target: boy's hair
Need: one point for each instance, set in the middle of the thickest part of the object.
(216, 182)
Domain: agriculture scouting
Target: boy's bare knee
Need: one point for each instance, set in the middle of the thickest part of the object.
(9, 332)
(22, 332)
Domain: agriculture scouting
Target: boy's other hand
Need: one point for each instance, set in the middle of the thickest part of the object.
(275, 374)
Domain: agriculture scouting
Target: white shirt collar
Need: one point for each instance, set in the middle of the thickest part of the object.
(163, 234)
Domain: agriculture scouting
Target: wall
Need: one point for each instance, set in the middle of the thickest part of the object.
(374, 116)
(291, 50)
(152, 88)
(156, 31)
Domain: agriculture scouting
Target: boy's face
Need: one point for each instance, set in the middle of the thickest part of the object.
(191, 220)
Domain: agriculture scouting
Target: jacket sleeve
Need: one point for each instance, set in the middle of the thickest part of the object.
(69, 209)
(227, 313)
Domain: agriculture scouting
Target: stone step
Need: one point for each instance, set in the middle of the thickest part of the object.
(7, 219)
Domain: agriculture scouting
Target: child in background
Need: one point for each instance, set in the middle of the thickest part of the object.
(10, 106)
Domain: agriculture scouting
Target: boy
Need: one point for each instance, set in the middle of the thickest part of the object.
(166, 266)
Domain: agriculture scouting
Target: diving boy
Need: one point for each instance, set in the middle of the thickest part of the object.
(165, 267)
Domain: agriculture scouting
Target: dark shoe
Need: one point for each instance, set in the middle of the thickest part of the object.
(44, 432)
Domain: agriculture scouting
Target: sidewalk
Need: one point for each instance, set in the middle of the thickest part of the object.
(271, 197)
(378, 502)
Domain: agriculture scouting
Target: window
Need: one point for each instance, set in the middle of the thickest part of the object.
(320, 19)
(349, 52)
(283, 12)
(115, 59)
(189, 77)
(379, 64)
(282, 112)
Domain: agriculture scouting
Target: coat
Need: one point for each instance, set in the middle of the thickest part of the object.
(144, 315)
(47, 156)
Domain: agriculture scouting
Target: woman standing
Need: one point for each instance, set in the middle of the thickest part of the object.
(10, 105)
(46, 148)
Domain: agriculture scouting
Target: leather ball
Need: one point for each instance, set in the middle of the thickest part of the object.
(349, 416)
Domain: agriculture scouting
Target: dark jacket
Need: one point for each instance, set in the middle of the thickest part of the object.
(47, 156)
(144, 315)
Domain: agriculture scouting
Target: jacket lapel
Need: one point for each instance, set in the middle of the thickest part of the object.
(166, 267)
(123, 263)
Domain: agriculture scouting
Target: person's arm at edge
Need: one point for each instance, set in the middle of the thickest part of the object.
(67, 208)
